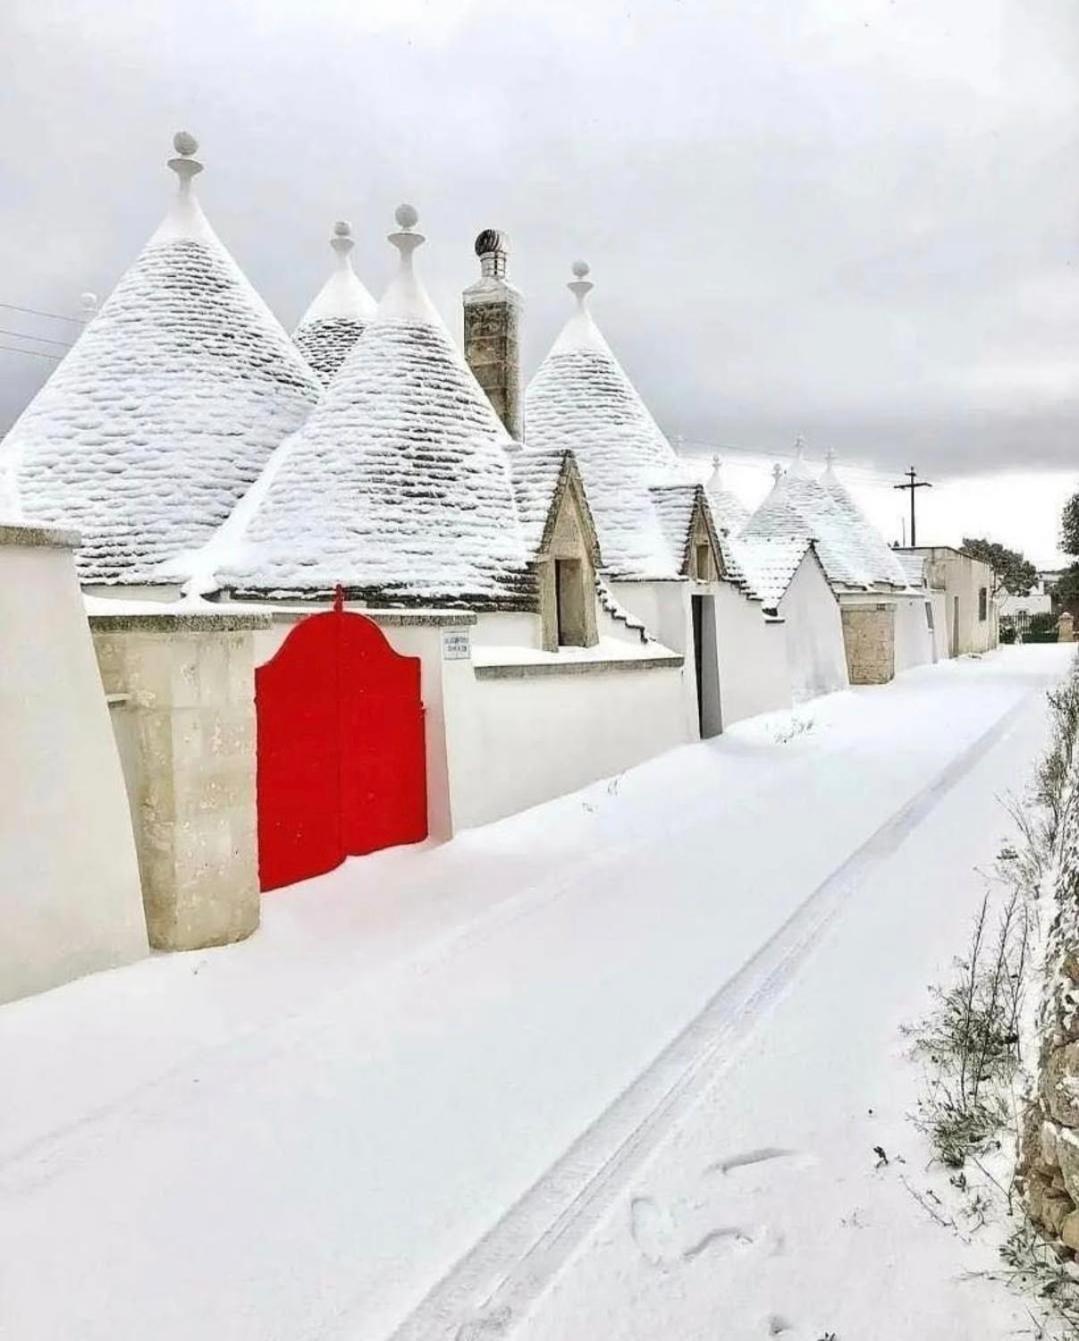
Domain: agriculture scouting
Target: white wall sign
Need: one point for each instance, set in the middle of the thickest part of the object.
(456, 647)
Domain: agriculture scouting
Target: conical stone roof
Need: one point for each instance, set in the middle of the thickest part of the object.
(729, 512)
(167, 408)
(581, 400)
(802, 505)
(879, 563)
(397, 487)
(339, 314)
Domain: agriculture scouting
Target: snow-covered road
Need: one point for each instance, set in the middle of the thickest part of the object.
(439, 1080)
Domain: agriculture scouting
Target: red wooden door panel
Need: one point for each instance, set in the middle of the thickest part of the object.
(341, 748)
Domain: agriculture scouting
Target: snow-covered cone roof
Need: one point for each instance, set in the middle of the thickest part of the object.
(398, 486)
(581, 399)
(340, 313)
(729, 513)
(879, 563)
(167, 407)
(799, 505)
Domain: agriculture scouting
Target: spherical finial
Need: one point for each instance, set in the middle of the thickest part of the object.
(185, 143)
(342, 228)
(88, 301)
(406, 216)
(777, 472)
(581, 269)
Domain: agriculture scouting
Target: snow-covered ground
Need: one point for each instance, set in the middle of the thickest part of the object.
(613, 1068)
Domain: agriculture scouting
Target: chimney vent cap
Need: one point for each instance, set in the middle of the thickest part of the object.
(491, 240)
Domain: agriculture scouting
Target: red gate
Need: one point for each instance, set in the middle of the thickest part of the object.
(341, 760)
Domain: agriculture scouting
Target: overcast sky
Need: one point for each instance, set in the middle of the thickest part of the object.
(852, 219)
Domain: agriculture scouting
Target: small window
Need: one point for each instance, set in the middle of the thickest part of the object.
(983, 603)
(929, 615)
(570, 603)
(704, 563)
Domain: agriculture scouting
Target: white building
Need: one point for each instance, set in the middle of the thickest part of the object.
(887, 627)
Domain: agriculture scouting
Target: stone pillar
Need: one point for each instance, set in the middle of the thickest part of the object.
(1066, 628)
(492, 311)
(69, 881)
(869, 642)
(186, 684)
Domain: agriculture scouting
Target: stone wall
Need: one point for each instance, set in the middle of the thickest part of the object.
(869, 642)
(185, 722)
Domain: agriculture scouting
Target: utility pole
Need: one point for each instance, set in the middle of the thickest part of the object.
(913, 483)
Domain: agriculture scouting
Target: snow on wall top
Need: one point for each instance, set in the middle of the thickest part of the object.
(800, 505)
(769, 564)
(398, 485)
(730, 513)
(580, 399)
(339, 314)
(165, 410)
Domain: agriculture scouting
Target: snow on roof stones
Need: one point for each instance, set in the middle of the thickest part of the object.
(581, 400)
(398, 486)
(769, 564)
(166, 409)
(339, 314)
(800, 505)
(880, 563)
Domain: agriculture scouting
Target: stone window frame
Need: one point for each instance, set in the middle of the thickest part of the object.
(569, 539)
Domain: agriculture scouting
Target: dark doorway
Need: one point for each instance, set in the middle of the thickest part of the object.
(570, 603)
(706, 666)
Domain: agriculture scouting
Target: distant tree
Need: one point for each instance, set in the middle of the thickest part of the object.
(1069, 526)
(1066, 590)
(1013, 571)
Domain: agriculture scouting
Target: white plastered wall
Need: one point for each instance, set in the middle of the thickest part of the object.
(813, 627)
(914, 643)
(753, 673)
(70, 899)
(517, 741)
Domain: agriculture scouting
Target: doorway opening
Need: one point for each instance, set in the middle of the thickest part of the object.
(706, 666)
(570, 609)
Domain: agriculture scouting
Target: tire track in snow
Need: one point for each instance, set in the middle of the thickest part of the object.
(493, 1286)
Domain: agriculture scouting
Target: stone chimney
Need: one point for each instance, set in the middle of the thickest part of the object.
(492, 331)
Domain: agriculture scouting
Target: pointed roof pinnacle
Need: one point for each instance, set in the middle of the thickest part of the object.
(406, 241)
(405, 298)
(777, 473)
(185, 165)
(342, 243)
(580, 286)
(829, 461)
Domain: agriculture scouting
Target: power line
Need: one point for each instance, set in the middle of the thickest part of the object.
(38, 353)
(36, 312)
(41, 339)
